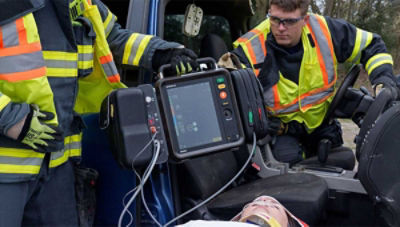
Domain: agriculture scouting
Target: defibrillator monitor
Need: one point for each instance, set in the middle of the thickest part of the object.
(200, 113)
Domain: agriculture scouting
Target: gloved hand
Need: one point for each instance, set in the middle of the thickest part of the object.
(40, 136)
(276, 127)
(182, 60)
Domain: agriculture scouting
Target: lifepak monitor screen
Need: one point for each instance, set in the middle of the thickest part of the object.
(194, 116)
(200, 112)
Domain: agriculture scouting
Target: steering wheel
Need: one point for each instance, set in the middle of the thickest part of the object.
(348, 82)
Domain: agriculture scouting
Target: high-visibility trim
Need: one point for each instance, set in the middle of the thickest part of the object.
(325, 53)
(61, 64)
(10, 36)
(60, 55)
(109, 23)
(85, 49)
(20, 153)
(31, 28)
(20, 161)
(19, 169)
(12, 64)
(109, 68)
(4, 100)
(378, 60)
(303, 101)
(20, 76)
(23, 40)
(1, 38)
(85, 56)
(306, 101)
(363, 39)
(16, 50)
(72, 148)
(134, 48)
(59, 160)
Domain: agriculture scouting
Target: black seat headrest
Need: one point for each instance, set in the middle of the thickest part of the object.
(213, 46)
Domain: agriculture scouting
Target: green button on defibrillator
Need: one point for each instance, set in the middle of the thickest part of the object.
(220, 80)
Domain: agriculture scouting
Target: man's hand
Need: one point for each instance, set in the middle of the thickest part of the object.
(276, 127)
(35, 133)
(182, 60)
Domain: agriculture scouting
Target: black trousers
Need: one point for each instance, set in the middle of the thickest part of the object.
(48, 200)
(297, 144)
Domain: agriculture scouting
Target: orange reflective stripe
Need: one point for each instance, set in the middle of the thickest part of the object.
(26, 75)
(1, 37)
(315, 91)
(251, 52)
(316, 103)
(15, 50)
(23, 40)
(106, 59)
(320, 58)
(276, 95)
(114, 79)
(324, 29)
(261, 38)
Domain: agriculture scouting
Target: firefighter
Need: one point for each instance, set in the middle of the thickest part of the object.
(295, 55)
(57, 61)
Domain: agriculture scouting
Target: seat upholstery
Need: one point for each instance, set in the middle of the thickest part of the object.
(303, 194)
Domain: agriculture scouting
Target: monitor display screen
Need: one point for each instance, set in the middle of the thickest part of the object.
(194, 116)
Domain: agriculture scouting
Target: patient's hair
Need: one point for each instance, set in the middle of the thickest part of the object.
(292, 5)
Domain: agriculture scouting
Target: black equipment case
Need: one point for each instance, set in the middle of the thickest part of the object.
(251, 103)
(131, 119)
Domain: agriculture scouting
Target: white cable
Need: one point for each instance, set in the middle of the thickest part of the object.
(148, 210)
(145, 177)
(138, 176)
(221, 189)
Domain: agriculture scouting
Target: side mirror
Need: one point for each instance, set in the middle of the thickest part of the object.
(192, 20)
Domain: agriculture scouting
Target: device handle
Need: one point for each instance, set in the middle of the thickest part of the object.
(206, 63)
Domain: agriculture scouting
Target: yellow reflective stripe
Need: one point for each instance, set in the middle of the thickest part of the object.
(85, 64)
(85, 49)
(109, 23)
(69, 152)
(59, 161)
(60, 72)
(4, 100)
(128, 48)
(19, 153)
(32, 34)
(140, 51)
(24, 169)
(363, 39)
(58, 55)
(74, 138)
(378, 60)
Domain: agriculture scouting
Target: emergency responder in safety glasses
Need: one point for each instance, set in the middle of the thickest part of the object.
(295, 54)
(58, 60)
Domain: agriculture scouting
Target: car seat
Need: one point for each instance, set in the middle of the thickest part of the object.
(304, 195)
(379, 167)
(213, 46)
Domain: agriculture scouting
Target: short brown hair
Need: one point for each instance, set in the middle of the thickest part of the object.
(292, 5)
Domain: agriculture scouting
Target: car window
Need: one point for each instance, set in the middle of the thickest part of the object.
(211, 24)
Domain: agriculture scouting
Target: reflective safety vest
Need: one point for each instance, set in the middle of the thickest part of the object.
(308, 100)
(46, 71)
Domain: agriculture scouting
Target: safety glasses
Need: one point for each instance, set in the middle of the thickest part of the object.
(287, 22)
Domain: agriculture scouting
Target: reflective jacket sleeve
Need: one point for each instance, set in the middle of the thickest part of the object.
(23, 78)
(130, 48)
(354, 45)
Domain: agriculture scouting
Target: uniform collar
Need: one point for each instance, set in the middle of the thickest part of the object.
(12, 10)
